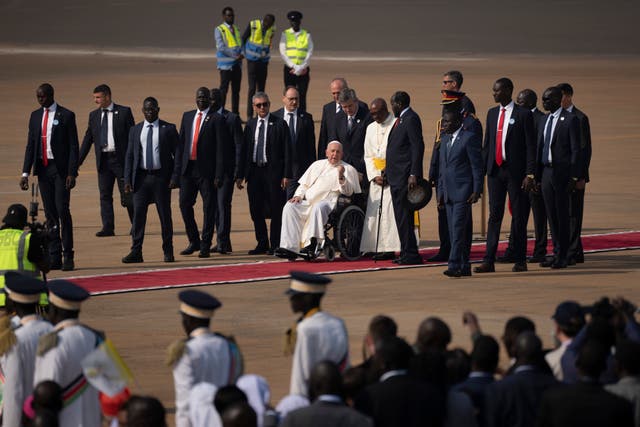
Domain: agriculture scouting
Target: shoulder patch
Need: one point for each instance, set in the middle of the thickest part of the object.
(175, 351)
(47, 342)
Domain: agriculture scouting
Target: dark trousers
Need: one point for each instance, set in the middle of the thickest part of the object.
(224, 196)
(190, 185)
(539, 224)
(576, 211)
(404, 222)
(460, 234)
(55, 199)
(110, 172)
(556, 200)
(257, 75)
(443, 232)
(153, 188)
(292, 186)
(499, 186)
(299, 82)
(266, 200)
(233, 76)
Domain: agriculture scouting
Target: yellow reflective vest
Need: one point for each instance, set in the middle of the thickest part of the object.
(258, 47)
(14, 248)
(297, 47)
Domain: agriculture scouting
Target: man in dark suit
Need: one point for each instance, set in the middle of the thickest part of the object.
(329, 113)
(514, 401)
(231, 152)
(460, 186)
(108, 131)
(576, 208)
(559, 169)
(301, 136)
(350, 130)
(328, 407)
(199, 167)
(148, 172)
(266, 168)
(52, 153)
(405, 152)
(510, 150)
(399, 399)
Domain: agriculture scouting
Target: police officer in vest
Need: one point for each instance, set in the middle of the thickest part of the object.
(229, 57)
(296, 48)
(20, 249)
(256, 42)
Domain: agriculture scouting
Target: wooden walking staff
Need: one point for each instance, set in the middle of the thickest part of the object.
(380, 164)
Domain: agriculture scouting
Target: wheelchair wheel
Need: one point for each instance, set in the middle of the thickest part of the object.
(329, 253)
(349, 232)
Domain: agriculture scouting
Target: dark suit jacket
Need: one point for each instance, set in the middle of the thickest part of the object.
(63, 141)
(460, 170)
(122, 123)
(583, 405)
(537, 115)
(353, 142)
(405, 150)
(515, 400)
(303, 149)
(565, 145)
(278, 149)
(475, 387)
(585, 143)
(232, 147)
(168, 141)
(325, 414)
(209, 159)
(402, 401)
(520, 143)
(328, 126)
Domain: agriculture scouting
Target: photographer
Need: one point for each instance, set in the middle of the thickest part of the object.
(20, 250)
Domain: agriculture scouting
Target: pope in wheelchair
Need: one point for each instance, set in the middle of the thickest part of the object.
(304, 216)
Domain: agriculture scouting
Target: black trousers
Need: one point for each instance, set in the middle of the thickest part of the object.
(190, 185)
(224, 197)
(404, 222)
(443, 231)
(299, 82)
(257, 75)
(110, 172)
(266, 200)
(557, 199)
(233, 76)
(154, 188)
(539, 224)
(576, 212)
(56, 201)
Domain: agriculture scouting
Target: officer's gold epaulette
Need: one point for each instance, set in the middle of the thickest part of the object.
(175, 351)
(47, 342)
(7, 336)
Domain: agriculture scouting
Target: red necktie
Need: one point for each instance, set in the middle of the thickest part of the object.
(45, 159)
(395, 124)
(499, 138)
(194, 144)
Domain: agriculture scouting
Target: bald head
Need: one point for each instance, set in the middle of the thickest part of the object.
(433, 334)
(379, 110)
(528, 348)
(325, 378)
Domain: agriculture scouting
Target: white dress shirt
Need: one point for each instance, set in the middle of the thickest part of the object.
(454, 136)
(193, 125)
(50, 123)
(556, 117)
(255, 138)
(111, 145)
(289, 119)
(156, 145)
(505, 126)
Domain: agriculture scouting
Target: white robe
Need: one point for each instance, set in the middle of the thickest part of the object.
(319, 187)
(319, 337)
(375, 146)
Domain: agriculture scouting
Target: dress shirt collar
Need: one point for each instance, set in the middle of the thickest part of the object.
(456, 133)
(155, 124)
(110, 107)
(393, 373)
(287, 112)
(330, 398)
(66, 323)
(338, 107)
(266, 119)
(556, 113)
(524, 368)
(52, 108)
(570, 108)
(480, 374)
(404, 111)
(198, 332)
(508, 107)
(220, 111)
(204, 112)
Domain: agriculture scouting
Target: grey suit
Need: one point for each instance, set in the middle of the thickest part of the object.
(326, 414)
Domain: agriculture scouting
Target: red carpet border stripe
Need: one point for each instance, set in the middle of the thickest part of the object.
(279, 269)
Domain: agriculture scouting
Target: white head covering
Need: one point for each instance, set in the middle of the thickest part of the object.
(291, 403)
(202, 413)
(258, 393)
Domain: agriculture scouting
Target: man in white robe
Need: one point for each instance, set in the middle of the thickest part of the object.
(306, 213)
(375, 153)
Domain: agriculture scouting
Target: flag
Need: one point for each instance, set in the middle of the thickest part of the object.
(105, 370)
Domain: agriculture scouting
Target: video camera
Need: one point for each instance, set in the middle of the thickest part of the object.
(39, 229)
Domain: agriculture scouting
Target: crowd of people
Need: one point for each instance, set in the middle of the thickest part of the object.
(590, 378)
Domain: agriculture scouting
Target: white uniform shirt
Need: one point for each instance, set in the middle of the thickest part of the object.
(554, 357)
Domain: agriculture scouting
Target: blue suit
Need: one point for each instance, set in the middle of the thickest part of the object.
(460, 174)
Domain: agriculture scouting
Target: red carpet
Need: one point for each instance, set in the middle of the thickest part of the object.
(277, 269)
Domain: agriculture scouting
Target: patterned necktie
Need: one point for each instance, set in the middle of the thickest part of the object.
(499, 158)
(292, 128)
(260, 160)
(45, 122)
(104, 129)
(196, 134)
(149, 156)
(547, 142)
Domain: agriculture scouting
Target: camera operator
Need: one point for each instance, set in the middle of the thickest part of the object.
(20, 250)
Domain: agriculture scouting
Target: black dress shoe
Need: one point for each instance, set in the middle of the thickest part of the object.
(383, 256)
(416, 260)
(559, 264)
(68, 264)
(537, 259)
(259, 250)
(485, 267)
(519, 266)
(571, 261)
(105, 233)
(189, 249)
(271, 252)
(505, 259)
(548, 262)
(133, 257)
(466, 272)
(438, 258)
(453, 273)
(204, 253)
(169, 258)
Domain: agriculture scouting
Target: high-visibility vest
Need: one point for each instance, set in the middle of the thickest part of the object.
(297, 47)
(14, 248)
(257, 47)
(233, 41)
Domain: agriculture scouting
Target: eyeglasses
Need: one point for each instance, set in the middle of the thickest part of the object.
(293, 98)
(445, 82)
(261, 105)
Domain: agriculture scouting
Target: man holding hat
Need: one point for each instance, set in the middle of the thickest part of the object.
(18, 347)
(296, 48)
(20, 250)
(317, 336)
(569, 320)
(203, 356)
(60, 354)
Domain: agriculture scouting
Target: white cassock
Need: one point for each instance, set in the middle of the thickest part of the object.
(62, 364)
(375, 150)
(206, 358)
(319, 337)
(319, 187)
(18, 366)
